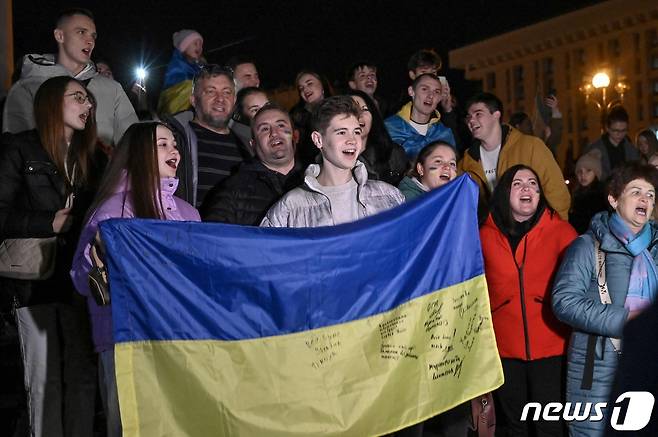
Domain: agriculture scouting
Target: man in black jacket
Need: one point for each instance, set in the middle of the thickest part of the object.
(245, 197)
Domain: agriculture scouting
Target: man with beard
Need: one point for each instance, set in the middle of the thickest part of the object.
(210, 151)
(245, 197)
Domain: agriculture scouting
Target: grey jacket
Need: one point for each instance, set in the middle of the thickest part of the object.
(630, 154)
(308, 206)
(576, 302)
(114, 112)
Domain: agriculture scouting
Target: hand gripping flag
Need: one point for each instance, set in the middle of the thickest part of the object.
(359, 329)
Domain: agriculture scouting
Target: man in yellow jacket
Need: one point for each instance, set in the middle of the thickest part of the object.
(498, 147)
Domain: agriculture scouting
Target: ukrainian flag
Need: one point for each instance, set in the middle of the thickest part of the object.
(356, 330)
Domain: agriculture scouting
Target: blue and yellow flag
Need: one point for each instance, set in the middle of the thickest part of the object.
(359, 329)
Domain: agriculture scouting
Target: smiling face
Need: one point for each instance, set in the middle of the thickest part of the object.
(76, 38)
(365, 79)
(273, 140)
(310, 88)
(439, 168)
(168, 155)
(484, 125)
(252, 103)
(76, 108)
(246, 75)
(365, 117)
(213, 101)
(341, 144)
(425, 97)
(635, 204)
(524, 195)
(643, 145)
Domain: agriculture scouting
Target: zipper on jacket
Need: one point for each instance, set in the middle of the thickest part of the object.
(522, 295)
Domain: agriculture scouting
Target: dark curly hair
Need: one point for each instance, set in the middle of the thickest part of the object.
(628, 172)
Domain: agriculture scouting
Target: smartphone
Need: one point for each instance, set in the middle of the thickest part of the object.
(443, 81)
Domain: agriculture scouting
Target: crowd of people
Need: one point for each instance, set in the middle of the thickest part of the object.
(74, 153)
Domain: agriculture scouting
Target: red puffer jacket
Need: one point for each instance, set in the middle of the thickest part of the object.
(520, 287)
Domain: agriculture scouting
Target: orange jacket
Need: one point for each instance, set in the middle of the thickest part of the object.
(520, 287)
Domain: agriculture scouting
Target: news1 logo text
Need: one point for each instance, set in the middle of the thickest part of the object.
(630, 412)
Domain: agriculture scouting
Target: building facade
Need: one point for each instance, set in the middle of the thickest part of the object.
(561, 54)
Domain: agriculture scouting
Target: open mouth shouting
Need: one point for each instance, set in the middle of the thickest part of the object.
(173, 163)
(641, 211)
(84, 117)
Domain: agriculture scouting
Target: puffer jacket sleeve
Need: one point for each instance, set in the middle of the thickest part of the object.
(220, 205)
(277, 216)
(574, 304)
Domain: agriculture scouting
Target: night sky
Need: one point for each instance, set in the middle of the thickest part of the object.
(285, 36)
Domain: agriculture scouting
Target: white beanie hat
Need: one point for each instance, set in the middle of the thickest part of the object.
(183, 38)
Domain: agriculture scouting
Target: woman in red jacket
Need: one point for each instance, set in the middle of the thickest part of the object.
(523, 241)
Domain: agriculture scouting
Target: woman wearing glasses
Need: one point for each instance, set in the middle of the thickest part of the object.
(47, 181)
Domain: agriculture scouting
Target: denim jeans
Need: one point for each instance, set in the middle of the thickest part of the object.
(60, 368)
(109, 394)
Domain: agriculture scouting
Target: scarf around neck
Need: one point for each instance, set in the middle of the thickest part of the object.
(644, 277)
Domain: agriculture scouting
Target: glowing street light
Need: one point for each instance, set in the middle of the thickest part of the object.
(601, 81)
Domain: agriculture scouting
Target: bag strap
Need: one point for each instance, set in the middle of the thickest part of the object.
(602, 284)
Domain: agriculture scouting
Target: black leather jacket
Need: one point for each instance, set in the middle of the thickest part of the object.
(32, 190)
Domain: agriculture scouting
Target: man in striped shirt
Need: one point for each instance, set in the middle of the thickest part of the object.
(210, 150)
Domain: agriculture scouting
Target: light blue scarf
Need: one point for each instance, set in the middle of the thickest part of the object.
(644, 277)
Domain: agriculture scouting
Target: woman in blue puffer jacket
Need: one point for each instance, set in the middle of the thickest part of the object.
(628, 240)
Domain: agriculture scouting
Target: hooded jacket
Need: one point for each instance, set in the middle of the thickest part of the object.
(520, 285)
(402, 133)
(118, 206)
(307, 206)
(114, 112)
(517, 148)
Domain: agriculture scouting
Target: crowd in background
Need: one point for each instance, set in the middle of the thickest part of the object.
(75, 152)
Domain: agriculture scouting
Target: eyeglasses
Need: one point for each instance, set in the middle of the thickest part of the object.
(80, 98)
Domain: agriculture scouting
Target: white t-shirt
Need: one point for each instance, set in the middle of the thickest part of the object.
(343, 201)
(489, 160)
(420, 128)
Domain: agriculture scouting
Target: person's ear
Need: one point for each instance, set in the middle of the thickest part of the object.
(59, 35)
(412, 74)
(192, 100)
(317, 139)
(410, 90)
(496, 115)
(419, 169)
(612, 201)
(352, 84)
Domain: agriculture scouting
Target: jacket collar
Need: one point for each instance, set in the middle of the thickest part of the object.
(474, 150)
(313, 171)
(405, 114)
(35, 65)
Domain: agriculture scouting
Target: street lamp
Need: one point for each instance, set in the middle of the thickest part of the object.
(601, 81)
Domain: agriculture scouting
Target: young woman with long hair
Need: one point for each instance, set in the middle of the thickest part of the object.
(139, 183)
(47, 180)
